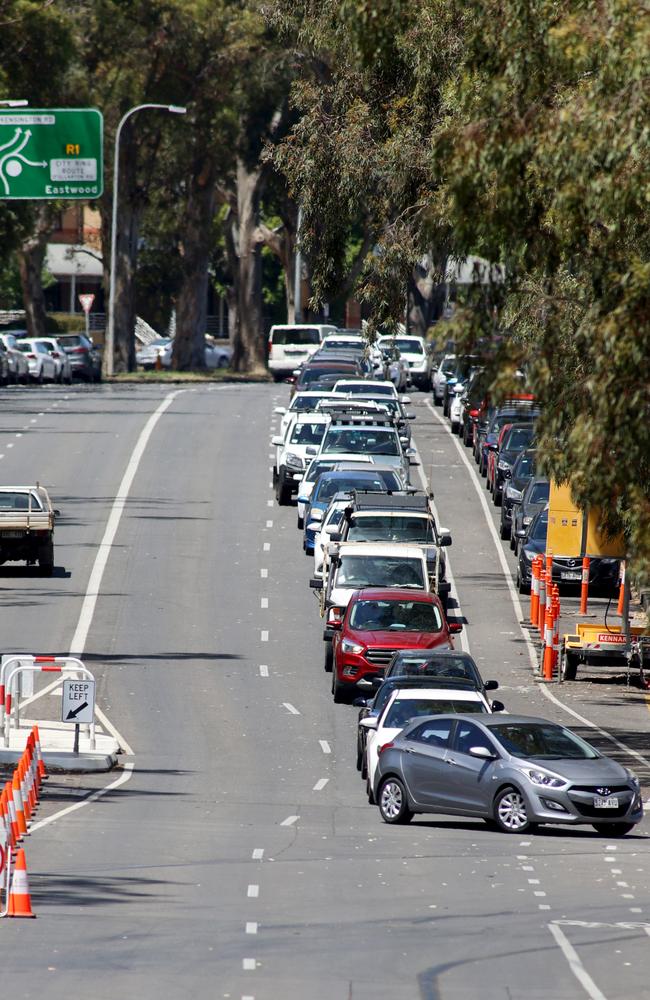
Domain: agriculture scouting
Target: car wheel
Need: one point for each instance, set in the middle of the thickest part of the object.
(613, 829)
(282, 491)
(393, 802)
(338, 692)
(40, 377)
(364, 767)
(568, 667)
(455, 427)
(522, 586)
(369, 792)
(301, 523)
(513, 540)
(46, 558)
(498, 496)
(223, 362)
(510, 813)
(504, 531)
(482, 468)
(329, 657)
(359, 755)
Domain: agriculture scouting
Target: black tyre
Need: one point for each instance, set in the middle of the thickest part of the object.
(613, 829)
(393, 802)
(329, 657)
(282, 491)
(339, 693)
(46, 558)
(504, 531)
(455, 427)
(569, 667)
(510, 812)
(513, 540)
(301, 523)
(364, 767)
(522, 587)
(498, 496)
(359, 754)
(370, 795)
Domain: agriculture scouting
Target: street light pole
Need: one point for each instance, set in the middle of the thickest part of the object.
(109, 346)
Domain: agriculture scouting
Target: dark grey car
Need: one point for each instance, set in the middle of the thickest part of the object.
(514, 772)
(535, 498)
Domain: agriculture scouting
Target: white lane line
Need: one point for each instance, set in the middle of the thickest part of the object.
(325, 747)
(33, 420)
(320, 784)
(539, 893)
(266, 547)
(290, 820)
(107, 724)
(251, 927)
(249, 964)
(464, 641)
(270, 486)
(627, 925)
(264, 635)
(253, 891)
(269, 524)
(1, 456)
(18, 435)
(576, 966)
(516, 603)
(264, 573)
(291, 708)
(122, 780)
(264, 602)
(258, 854)
(269, 503)
(42, 414)
(264, 670)
(10, 445)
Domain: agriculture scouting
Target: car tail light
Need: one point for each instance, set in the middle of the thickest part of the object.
(473, 413)
(55, 354)
(384, 746)
(77, 350)
(32, 356)
(270, 347)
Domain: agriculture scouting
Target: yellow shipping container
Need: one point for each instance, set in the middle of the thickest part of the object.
(572, 535)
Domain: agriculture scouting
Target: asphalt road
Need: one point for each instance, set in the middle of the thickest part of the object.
(240, 858)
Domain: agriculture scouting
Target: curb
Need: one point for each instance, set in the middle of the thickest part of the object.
(66, 763)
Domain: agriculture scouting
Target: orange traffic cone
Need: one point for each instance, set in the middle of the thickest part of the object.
(42, 773)
(18, 804)
(20, 904)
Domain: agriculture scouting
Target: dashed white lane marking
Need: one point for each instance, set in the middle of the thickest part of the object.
(264, 670)
(251, 927)
(290, 820)
(269, 503)
(538, 892)
(258, 854)
(19, 435)
(42, 414)
(253, 891)
(533, 881)
(1, 456)
(543, 906)
(576, 966)
(525, 843)
(270, 486)
(264, 635)
(611, 847)
(624, 925)
(267, 547)
(325, 747)
(320, 784)
(269, 524)
(291, 708)
(249, 964)
(264, 602)
(264, 573)
(10, 445)
(33, 420)
(516, 603)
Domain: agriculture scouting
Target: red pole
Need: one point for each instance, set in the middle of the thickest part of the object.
(584, 593)
(548, 643)
(534, 591)
(541, 617)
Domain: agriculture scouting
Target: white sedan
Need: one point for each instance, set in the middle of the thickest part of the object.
(215, 356)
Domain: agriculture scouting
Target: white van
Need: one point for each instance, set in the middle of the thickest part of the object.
(291, 346)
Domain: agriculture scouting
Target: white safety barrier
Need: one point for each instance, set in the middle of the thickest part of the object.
(10, 671)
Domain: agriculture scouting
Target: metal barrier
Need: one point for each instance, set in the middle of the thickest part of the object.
(14, 666)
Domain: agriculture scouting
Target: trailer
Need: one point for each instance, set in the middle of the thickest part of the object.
(605, 645)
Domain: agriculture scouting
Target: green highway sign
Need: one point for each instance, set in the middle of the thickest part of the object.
(52, 153)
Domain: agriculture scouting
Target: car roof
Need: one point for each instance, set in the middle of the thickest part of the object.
(465, 694)
(394, 594)
(368, 473)
(395, 549)
(311, 417)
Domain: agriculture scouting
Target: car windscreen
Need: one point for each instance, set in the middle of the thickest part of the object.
(542, 740)
(300, 337)
(518, 438)
(69, 341)
(404, 709)
(524, 467)
(19, 501)
(539, 493)
(25, 348)
(327, 486)
(449, 668)
(316, 468)
(342, 345)
(539, 528)
(359, 389)
(395, 616)
(407, 345)
(366, 440)
(448, 364)
(396, 528)
(301, 402)
(306, 433)
(317, 373)
(379, 571)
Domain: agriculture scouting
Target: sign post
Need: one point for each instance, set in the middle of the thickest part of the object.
(87, 304)
(78, 704)
(51, 153)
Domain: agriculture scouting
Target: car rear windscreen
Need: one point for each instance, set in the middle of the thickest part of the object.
(305, 335)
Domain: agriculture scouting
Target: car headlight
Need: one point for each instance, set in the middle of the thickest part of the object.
(526, 521)
(528, 555)
(502, 465)
(631, 776)
(545, 779)
(513, 494)
(293, 461)
(351, 647)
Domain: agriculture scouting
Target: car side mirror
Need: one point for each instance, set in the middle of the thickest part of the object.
(311, 449)
(316, 583)
(410, 452)
(490, 685)
(277, 441)
(481, 752)
(498, 706)
(369, 723)
(336, 626)
(406, 400)
(521, 533)
(454, 628)
(316, 515)
(507, 473)
(333, 532)
(445, 538)
(360, 702)
(410, 415)
(281, 410)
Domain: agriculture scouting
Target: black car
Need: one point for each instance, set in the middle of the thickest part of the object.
(516, 411)
(319, 373)
(475, 394)
(603, 573)
(534, 498)
(85, 359)
(523, 471)
(515, 440)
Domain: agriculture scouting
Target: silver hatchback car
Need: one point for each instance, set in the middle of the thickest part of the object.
(514, 772)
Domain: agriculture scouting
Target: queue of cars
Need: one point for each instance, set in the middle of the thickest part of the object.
(429, 737)
(38, 360)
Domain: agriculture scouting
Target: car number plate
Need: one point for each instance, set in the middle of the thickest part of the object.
(570, 575)
(12, 534)
(609, 803)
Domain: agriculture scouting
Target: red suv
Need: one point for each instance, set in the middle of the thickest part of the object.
(378, 622)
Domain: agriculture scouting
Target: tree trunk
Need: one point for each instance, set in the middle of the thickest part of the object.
(31, 256)
(196, 245)
(249, 348)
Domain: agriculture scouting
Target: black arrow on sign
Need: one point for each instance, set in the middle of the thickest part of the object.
(73, 713)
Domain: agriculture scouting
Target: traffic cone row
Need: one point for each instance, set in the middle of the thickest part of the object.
(18, 802)
(551, 639)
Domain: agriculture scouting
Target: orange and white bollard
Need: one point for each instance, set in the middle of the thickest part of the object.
(20, 904)
(621, 591)
(541, 616)
(534, 590)
(556, 631)
(548, 643)
(584, 592)
(42, 773)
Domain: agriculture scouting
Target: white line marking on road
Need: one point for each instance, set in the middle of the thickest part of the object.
(18, 435)
(264, 573)
(251, 927)
(611, 847)
(264, 670)
(595, 925)
(107, 724)
(533, 881)
(538, 892)
(516, 603)
(42, 414)
(289, 821)
(258, 854)
(269, 503)
(33, 420)
(266, 547)
(320, 784)
(576, 966)
(270, 486)
(264, 602)
(290, 708)
(264, 635)
(122, 780)
(249, 964)
(1, 456)
(10, 445)
(543, 906)
(325, 747)
(269, 524)
(253, 891)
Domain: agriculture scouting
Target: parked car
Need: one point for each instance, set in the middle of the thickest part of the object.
(514, 772)
(464, 367)
(318, 373)
(42, 367)
(18, 367)
(61, 359)
(523, 471)
(291, 345)
(512, 440)
(147, 357)
(603, 572)
(301, 402)
(365, 387)
(346, 480)
(215, 357)
(516, 411)
(396, 368)
(438, 663)
(379, 621)
(439, 378)
(85, 359)
(534, 498)
(5, 367)
(415, 351)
